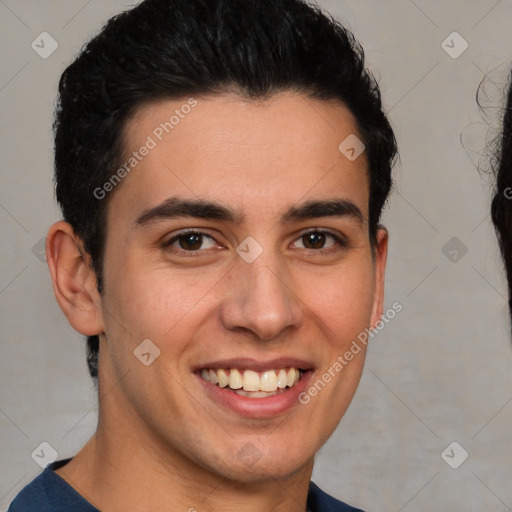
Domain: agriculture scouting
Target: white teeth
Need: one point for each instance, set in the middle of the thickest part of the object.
(290, 377)
(213, 376)
(251, 383)
(282, 379)
(235, 379)
(223, 378)
(268, 381)
(256, 394)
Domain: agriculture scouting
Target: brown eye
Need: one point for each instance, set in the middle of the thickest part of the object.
(190, 241)
(320, 241)
(314, 240)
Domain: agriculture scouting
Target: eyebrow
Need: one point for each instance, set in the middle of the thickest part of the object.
(323, 208)
(177, 207)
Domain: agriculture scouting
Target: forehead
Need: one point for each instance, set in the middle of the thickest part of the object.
(246, 153)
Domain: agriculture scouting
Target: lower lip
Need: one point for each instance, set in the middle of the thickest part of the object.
(257, 407)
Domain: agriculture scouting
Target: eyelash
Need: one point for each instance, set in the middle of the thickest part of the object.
(340, 242)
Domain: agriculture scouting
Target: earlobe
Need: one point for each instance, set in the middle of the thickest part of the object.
(74, 281)
(381, 253)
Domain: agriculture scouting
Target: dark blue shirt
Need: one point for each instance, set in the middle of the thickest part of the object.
(50, 493)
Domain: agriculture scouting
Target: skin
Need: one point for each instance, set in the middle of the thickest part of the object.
(160, 439)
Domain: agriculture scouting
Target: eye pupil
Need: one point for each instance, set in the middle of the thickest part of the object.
(314, 240)
(191, 241)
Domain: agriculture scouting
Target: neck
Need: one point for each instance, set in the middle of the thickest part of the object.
(126, 468)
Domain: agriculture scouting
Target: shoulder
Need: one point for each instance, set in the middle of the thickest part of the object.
(48, 492)
(33, 497)
(320, 501)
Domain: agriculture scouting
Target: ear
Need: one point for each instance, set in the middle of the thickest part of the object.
(381, 254)
(74, 281)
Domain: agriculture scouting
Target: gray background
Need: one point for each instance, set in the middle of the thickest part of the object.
(439, 372)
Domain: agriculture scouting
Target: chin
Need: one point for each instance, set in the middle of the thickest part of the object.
(252, 467)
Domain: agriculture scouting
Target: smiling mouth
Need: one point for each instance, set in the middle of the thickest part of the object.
(249, 383)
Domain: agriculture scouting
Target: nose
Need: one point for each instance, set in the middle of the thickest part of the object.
(260, 299)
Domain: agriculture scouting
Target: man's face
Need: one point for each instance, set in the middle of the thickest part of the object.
(259, 281)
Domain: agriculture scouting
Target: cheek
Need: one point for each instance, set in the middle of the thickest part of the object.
(342, 300)
(150, 303)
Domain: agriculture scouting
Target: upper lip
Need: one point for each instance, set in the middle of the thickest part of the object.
(257, 365)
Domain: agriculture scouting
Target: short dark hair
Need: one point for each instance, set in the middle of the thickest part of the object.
(164, 49)
(501, 206)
